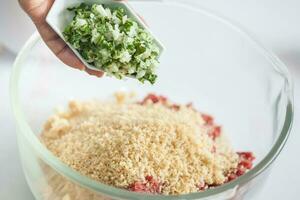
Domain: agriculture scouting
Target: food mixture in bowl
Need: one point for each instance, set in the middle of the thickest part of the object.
(152, 146)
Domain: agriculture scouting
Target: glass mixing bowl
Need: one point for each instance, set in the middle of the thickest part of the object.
(208, 61)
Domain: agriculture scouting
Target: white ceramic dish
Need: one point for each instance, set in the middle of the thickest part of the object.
(59, 17)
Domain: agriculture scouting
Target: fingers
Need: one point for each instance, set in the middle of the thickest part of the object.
(67, 56)
(38, 10)
(58, 46)
(62, 51)
(94, 73)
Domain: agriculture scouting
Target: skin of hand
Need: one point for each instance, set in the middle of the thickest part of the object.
(37, 11)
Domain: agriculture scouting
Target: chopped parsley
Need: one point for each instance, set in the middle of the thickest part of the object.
(111, 41)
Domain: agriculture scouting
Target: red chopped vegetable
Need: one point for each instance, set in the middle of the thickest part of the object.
(138, 187)
(175, 107)
(231, 177)
(216, 132)
(246, 156)
(209, 120)
(154, 98)
(246, 160)
(149, 186)
(245, 163)
(202, 186)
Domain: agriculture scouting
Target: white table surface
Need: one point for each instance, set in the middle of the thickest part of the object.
(275, 22)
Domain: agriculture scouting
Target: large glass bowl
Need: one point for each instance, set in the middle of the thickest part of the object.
(208, 61)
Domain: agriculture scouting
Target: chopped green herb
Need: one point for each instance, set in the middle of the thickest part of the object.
(109, 40)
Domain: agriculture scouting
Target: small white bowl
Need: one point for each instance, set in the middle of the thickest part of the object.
(59, 17)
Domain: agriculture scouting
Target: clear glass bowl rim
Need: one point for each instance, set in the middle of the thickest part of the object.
(86, 182)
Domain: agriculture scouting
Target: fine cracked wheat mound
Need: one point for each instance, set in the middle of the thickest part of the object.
(152, 146)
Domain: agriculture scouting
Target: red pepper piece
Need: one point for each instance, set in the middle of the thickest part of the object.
(138, 187)
(154, 98)
(149, 186)
(209, 120)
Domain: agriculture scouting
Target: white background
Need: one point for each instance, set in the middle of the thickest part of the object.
(275, 22)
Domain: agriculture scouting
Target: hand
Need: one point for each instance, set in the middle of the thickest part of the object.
(38, 10)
